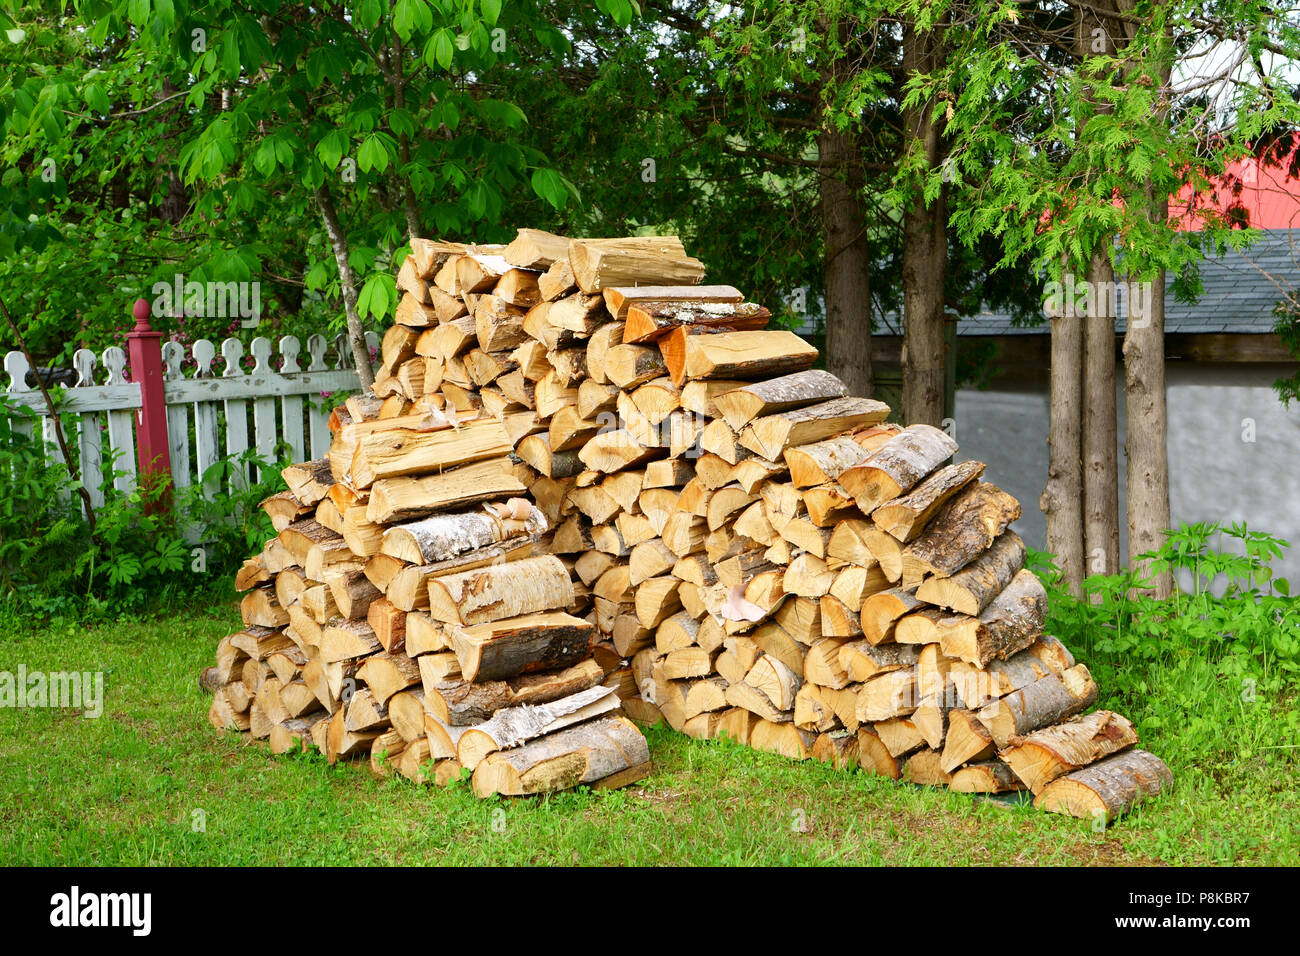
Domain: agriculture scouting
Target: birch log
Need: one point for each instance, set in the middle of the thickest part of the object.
(1047, 700)
(905, 517)
(1052, 752)
(514, 726)
(959, 533)
(608, 752)
(506, 648)
(782, 394)
(974, 587)
(442, 537)
(501, 591)
(636, 260)
(771, 435)
(1011, 622)
(618, 299)
(1108, 788)
(649, 320)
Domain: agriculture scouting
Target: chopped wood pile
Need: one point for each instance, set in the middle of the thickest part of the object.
(585, 488)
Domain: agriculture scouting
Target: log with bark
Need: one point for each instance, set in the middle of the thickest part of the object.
(603, 753)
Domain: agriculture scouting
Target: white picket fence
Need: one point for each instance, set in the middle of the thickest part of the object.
(211, 412)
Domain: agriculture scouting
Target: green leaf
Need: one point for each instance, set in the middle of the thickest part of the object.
(138, 11)
(443, 48)
(96, 99)
(549, 185)
(491, 11)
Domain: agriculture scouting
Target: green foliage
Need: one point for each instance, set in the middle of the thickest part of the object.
(141, 141)
(141, 554)
(1228, 608)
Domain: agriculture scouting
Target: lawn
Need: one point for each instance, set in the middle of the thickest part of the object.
(150, 783)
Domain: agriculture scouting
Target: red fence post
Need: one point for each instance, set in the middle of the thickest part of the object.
(144, 349)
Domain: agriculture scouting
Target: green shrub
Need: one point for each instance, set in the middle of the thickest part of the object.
(149, 548)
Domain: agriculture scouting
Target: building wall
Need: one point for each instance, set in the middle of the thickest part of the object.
(1216, 472)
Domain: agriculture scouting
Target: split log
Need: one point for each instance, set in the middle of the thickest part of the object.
(1052, 752)
(352, 592)
(502, 649)
(966, 740)
(615, 450)
(618, 299)
(922, 768)
(391, 454)
(403, 499)
(478, 272)
(1047, 700)
(409, 588)
(891, 694)
(861, 660)
(260, 607)
(443, 537)
(1108, 788)
(900, 736)
(600, 264)
(973, 588)
(880, 612)
(500, 591)
(406, 711)
(389, 674)
(535, 249)
(514, 726)
(734, 355)
(962, 530)
(650, 320)
(771, 435)
(897, 466)
(777, 682)
(608, 752)
(308, 482)
(931, 720)
(782, 738)
(985, 776)
(740, 694)
(823, 461)
(347, 640)
(907, 516)
(1011, 622)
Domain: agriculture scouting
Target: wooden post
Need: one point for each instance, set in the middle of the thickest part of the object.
(144, 350)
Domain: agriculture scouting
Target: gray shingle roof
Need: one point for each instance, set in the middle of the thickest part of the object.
(1240, 292)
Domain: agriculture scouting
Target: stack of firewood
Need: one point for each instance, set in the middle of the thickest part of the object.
(586, 480)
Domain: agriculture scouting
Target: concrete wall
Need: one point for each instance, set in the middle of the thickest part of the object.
(1216, 472)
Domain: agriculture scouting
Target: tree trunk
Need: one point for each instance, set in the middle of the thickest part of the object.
(1062, 498)
(339, 243)
(847, 278)
(1145, 435)
(1100, 438)
(925, 249)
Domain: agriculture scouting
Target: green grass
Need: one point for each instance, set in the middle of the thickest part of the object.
(125, 789)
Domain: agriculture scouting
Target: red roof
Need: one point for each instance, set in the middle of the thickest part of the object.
(1257, 193)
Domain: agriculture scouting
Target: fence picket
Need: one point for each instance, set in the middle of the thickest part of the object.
(232, 350)
(178, 418)
(286, 407)
(121, 425)
(291, 405)
(207, 434)
(90, 438)
(317, 419)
